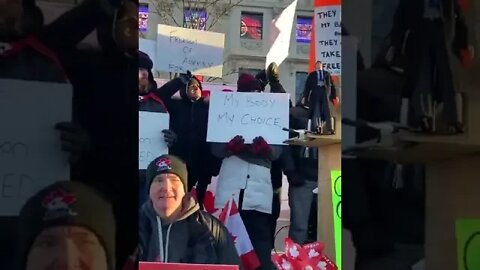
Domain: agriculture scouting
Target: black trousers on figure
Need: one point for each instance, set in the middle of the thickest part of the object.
(319, 109)
(429, 71)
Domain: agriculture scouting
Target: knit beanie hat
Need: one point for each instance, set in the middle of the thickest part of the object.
(63, 204)
(144, 61)
(247, 83)
(167, 164)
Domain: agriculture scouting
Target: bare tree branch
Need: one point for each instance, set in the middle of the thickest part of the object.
(223, 13)
(213, 3)
(163, 9)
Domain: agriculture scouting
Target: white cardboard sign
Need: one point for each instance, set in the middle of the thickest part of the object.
(30, 150)
(181, 49)
(151, 143)
(248, 114)
(328, 37)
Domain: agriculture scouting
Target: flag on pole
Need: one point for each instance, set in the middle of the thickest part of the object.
(280, 35)
(230, 217)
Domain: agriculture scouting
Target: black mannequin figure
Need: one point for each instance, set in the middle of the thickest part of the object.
(424, 30)
(318, 87)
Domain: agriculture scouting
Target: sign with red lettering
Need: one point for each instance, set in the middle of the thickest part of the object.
(182, 266)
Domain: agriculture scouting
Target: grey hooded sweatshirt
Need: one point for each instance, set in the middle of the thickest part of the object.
(196, 237)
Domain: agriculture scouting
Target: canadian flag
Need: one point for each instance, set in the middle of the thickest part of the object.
(230, 217)
(209, 198)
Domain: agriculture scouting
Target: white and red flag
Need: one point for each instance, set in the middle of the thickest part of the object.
(230, 217)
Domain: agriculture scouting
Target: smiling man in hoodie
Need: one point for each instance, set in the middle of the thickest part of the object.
(173, 228)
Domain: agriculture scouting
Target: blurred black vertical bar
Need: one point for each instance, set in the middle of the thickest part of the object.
(99, 140)
(384, 219)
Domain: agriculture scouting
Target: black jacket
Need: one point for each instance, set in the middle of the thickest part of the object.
(311, 83)
(306, 168)
(154, 100)
(409, 14)
(189, 121)
(197, 237)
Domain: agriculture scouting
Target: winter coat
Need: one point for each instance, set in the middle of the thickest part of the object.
(189, 121)
(196, 237)
(306, 166)
(154, 100)
(248, 174)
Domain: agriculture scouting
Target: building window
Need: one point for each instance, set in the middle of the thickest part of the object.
(251, 26)
(304, 29)
(300, 80)
(143, 17)
(195, 18)
(251, 71)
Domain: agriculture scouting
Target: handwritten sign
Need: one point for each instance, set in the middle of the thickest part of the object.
(149, 47)
(181, 49)
(182, 266)
(468, 244)
(30, 151)
(248, 114)
(328, 37)
(151, 143)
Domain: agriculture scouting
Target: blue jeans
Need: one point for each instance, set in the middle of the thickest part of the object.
(300, 202)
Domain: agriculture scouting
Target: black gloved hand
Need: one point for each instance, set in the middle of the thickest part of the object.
(186, 77)
(262, 78)
(170, 137)
(273, 72)
(294, 179)
(74, 140)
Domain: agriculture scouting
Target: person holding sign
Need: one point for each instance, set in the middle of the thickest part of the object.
(318, 86)
(151, 100)
(66, 224)
(189, 121)
(245, 174)
(172, 228)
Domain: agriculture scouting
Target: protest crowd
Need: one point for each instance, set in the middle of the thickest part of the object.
(88, 222)
(248, 175)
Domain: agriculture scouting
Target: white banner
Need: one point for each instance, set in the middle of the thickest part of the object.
(328, 37)
(151, 143)
(181, 49)
(30, 150)
(248, 114)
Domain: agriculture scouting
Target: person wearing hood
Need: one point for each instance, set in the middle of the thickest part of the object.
(245, 172)
(300, 192)
(284, 164)
(172, 227)
(189, 121)
(151, 100)
(64, 226)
